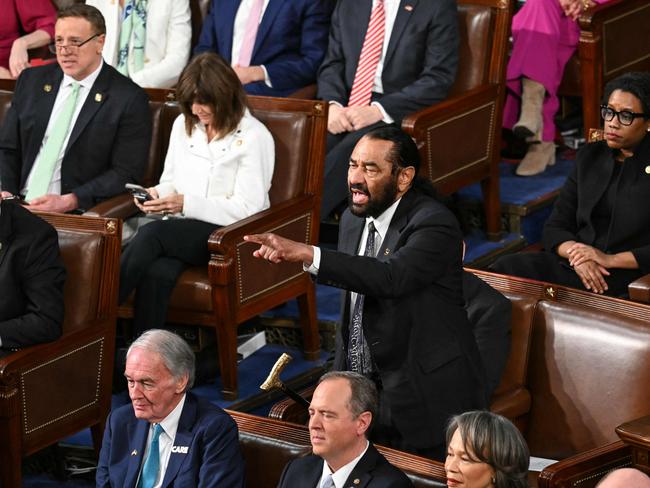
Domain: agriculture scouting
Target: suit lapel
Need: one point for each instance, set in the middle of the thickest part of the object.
(271, 12)
(397, 224)
(361, 475)
(225, 25)
(138, 431)
(97, 96)
(352, 235)
(183, 439)
(45, 96)
(404, 12)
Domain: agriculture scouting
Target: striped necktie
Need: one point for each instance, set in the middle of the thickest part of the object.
(44, 170)
(369, 58)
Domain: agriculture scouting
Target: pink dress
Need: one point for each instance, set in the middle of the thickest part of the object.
(543, 41)
(20, 17)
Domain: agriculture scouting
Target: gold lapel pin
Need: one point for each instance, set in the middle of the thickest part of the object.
(134, 453)
(647, 170)
(47, 88)
(386, 252)
(98, 97)
(356, 481)
(239, 142)
(408, 8)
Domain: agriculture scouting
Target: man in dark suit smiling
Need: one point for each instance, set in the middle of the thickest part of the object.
(77, 131)
(403, 324)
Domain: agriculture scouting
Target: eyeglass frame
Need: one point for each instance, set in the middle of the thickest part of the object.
(633, 115)
(55, 48)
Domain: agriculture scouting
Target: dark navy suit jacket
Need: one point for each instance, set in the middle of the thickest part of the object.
(213, 458)
(290, 43)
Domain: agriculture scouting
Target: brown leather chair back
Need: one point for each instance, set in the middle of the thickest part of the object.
(290, 132)
(81, 255)
(588, 373)
(475, 28)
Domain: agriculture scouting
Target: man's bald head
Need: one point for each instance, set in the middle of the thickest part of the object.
(625, 478)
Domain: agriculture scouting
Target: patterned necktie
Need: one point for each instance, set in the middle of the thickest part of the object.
(152, 463)
(40, 181)
(369, 58)
(253, 24)
(327, 482)
(132, 33)
(359, 359)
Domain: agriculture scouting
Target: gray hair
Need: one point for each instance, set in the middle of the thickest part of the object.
(176, 354)
(494, 440)
(363, 396)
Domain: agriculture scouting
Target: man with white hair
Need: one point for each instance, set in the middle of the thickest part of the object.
(167, 436)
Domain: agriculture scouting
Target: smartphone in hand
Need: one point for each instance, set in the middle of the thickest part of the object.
(138, 192)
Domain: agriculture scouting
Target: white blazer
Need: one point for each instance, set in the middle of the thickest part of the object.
(167, 47)
(225, 180)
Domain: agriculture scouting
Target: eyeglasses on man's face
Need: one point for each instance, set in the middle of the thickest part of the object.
(625, 117)
(72, 47)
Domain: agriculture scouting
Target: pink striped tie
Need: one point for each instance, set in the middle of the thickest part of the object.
(369, 58)
(253, 23)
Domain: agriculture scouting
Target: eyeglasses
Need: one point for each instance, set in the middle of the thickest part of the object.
(625, 117)
(73, 47)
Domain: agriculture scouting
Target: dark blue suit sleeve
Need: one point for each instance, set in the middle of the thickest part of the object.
(222, 463)
(102, 477)
(299, 68)
(208, 39)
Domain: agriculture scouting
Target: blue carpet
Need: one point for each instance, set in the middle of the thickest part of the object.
(519, 190)
(477, 245)
(328, 303)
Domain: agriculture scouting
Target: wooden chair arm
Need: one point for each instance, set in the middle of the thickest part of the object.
(224, 240)
(600, 13)
(120, 206)
(447, 110)
(639, 290)
(585, 469)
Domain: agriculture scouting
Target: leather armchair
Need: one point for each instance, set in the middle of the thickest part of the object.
(614, 39)
(51, 391)
(235, 286)
(460, 138)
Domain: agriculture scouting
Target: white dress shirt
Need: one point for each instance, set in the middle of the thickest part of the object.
(343, 473)
(65, 90)
(239, 32)
(165, 441)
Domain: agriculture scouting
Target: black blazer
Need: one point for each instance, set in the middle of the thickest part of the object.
(413, 316)
(109, 143)
(421, 59)
(372, 471)
(629, 229)
(31, 279)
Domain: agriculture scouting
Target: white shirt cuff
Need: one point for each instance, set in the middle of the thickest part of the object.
(315, 264)
(384, 115)
(267, 80)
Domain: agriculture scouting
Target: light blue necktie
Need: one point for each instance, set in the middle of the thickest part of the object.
(152, 463)
(327, 482)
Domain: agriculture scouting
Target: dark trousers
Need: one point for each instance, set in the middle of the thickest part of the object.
(546, 266)
(152, 262)
(335, 180)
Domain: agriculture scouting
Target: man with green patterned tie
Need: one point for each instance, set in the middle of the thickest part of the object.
(167, 436)
(78, 130)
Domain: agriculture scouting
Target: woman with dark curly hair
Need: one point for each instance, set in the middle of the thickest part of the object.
(485, 450)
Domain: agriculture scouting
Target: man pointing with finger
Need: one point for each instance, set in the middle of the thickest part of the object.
(403, 324)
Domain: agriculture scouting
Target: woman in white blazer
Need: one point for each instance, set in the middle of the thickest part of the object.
(167, 41)
(218, 170)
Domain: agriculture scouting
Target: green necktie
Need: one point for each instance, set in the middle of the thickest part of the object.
(44, 170)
